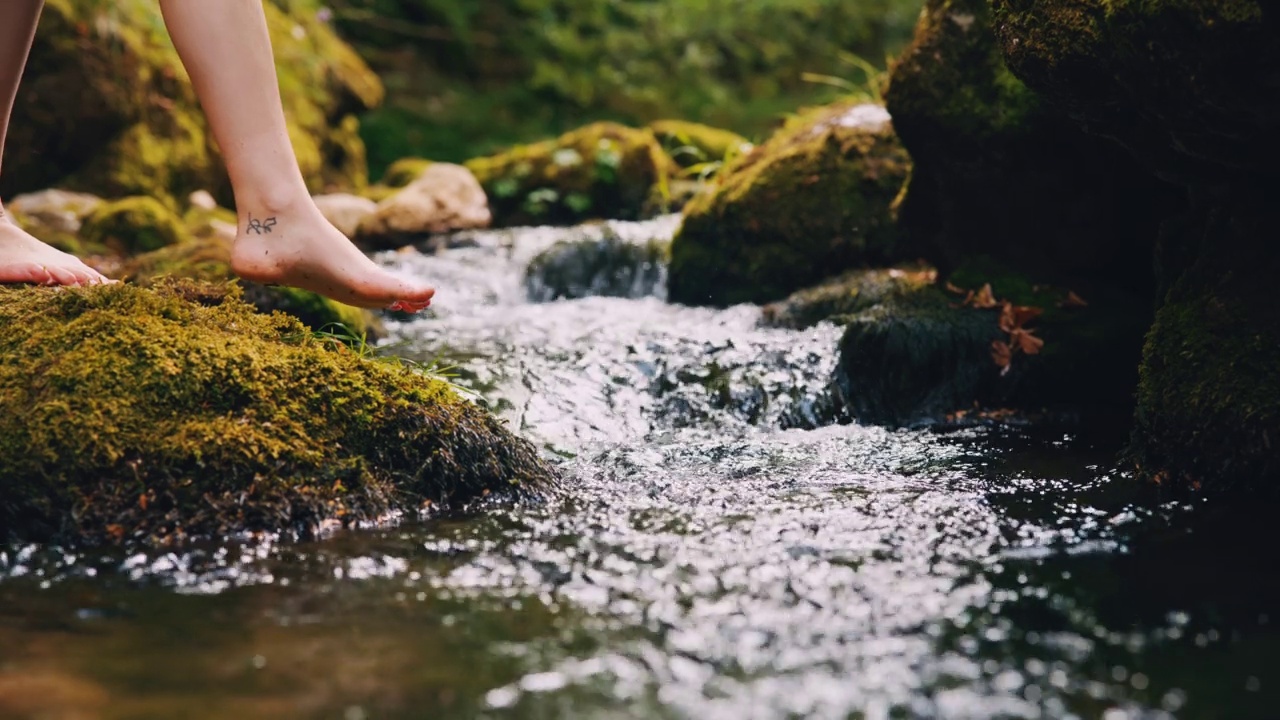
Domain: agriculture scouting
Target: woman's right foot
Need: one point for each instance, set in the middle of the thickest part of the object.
(25, 260)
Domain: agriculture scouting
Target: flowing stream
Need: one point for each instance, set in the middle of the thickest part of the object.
(721, 548)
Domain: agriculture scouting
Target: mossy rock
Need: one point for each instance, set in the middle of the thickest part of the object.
(692, 144)
(404, 171)
(1188, 85)
(107, 106)
(134, 225)
(837, 299)
(921, 354)
(604, 266)
(208, 259)
(129, 413)
(998, 171)
(814, 200)
(1209, 401)
(600, 171)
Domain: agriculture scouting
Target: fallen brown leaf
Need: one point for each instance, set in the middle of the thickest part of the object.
(1074, 301)
(985, 299)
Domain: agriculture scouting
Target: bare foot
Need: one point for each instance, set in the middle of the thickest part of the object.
(296, 246)
(26, 260)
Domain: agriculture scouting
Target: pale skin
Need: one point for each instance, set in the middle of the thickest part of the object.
(282, 237)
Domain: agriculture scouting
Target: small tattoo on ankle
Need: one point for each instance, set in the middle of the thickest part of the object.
(259, 227)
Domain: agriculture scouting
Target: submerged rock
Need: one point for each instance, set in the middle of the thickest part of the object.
(815, 200)
(601, 171)
(1000, 172)
(443, 198)
(607, 266)
(133, 225)
(128, 413)
(107, 107)
(208, 259)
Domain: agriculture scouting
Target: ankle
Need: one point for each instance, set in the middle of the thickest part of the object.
(273, 203)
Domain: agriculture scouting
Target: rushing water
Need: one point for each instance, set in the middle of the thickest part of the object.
(722, 549)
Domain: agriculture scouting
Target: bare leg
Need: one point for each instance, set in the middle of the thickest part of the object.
(282, 237)
(24, 259)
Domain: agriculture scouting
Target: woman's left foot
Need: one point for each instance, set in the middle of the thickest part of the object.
(298, 247)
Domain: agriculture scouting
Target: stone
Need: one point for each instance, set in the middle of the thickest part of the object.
(443, 199)
(345, 211)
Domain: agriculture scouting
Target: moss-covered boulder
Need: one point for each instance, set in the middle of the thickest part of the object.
(134, 225)
(598, 265)
(815, 200)
(128, 413)
(1002, 173)
(208, 259)
(1188, 86)
(693, 144)
(601, 171)
(836, 299)
(1209, 401)
(107, 107)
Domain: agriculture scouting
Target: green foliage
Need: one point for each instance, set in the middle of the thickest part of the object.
(128, 412)
(465, 77)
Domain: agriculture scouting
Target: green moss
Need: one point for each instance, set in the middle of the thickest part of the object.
(1001, 172)
(108, 106)
(604, 170)
(1177, 81)
(208, 259)
(404, 171)
(691, 144)
(132, 413)
(814, 200)
(134, 225)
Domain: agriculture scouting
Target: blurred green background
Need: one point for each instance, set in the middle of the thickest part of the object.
(466, 77)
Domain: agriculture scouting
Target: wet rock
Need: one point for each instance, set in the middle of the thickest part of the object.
(58, 210)
(443, 199)
(345, 211)
(208, 259)
(80, 127)
(813, 201)
(1000, 172)
(604, 170)
(1189, 89)
(921, 353)
(849, 294)
(692, 144)
(608, 266)
(129, 413)
(134, 225)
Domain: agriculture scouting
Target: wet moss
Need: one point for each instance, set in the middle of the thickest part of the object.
(1179, 82)
(134, 225)
(692, 144)
(814, 200)
(999, 171)
(1209, 400)
(79, 126)
(128, 413)
(603, 170)
(208, 259)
